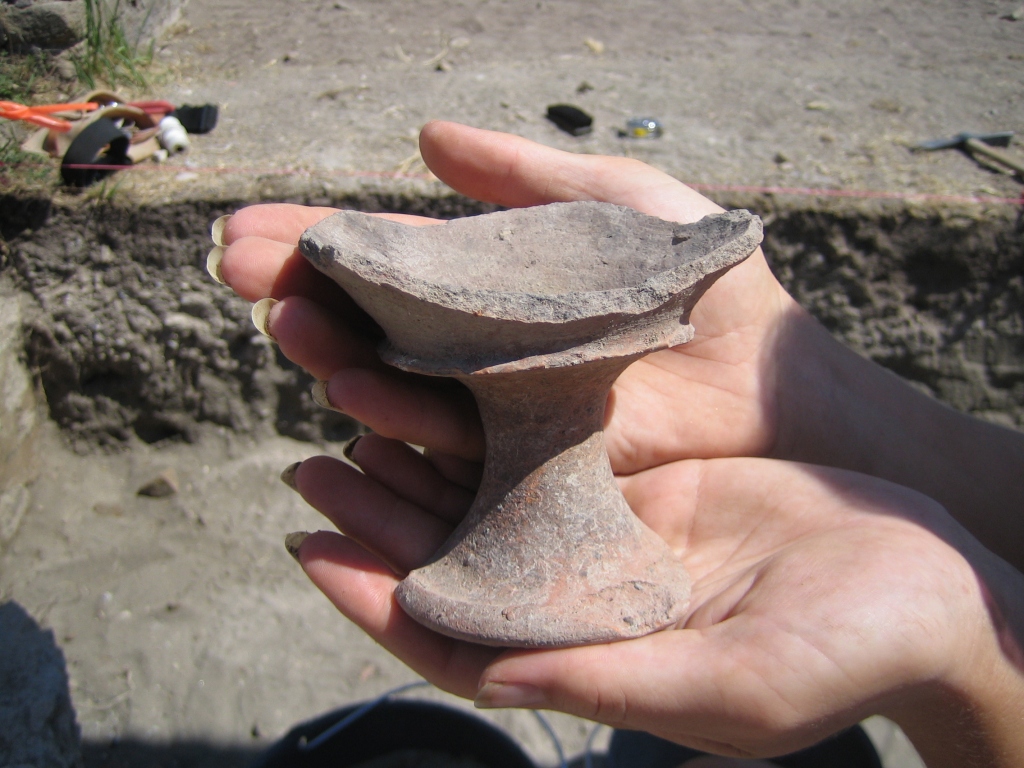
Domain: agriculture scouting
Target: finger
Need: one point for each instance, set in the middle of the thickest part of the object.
(400, 533)
(714, 693)
(318, 340)
(462, 472)
(362, 587)
(665, 499)
(406, 473)
(400, 407)
(257, 268)
(285, 223)
(513, 171)
(280, 222)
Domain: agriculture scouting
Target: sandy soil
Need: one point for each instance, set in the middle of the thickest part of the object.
(189, 633)
(781, 92)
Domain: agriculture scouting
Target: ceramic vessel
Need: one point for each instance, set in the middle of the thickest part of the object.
(537, 311)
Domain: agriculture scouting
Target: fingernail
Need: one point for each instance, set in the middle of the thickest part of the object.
(213, 264)
(261, 316)
(319, 395)
(217, 229)
(502, 695)
(350, 446)
(293, 541)
(288, 475)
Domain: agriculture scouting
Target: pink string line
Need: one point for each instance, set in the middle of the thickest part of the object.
(765, 190)
(865, 193)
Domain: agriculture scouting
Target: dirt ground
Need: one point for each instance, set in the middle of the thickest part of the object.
(191, 638)
(779, 92)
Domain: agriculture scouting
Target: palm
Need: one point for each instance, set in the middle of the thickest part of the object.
(802, 581)
(802, 578)
(703, 399)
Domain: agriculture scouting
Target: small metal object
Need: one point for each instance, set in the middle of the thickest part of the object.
(980, 144)
(1000, 139)
(643, 128)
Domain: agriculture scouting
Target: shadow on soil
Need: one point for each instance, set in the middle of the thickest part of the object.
(197, 754)
(176, 754)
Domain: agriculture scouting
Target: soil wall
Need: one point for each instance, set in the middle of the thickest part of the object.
(130, 338)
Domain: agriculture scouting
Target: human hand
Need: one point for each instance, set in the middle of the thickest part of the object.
(755, 380)
(760, 377)
(712, 397)
(820, 597)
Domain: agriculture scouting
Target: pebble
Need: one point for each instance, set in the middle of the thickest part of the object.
(163, 485)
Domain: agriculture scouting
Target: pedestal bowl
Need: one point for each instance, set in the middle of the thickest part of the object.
(537, 311)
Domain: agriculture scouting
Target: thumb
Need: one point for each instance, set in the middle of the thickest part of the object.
(704, 688)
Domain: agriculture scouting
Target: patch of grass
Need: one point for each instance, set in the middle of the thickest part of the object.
(22, 76)
(108, 55)
(21, 170)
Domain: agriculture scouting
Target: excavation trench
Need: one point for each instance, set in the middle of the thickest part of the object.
(130, 339)
(148, 367)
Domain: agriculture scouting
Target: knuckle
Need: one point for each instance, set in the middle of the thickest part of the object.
(610, 707)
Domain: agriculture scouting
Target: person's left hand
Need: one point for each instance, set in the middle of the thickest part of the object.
(721, 394)
(820, 597)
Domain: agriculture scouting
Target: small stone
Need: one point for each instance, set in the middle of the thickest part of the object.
(105, 509)
(103, 255)
(50, 26)
(887, 105)
(163, 485)
(595, 46)
(65, 69)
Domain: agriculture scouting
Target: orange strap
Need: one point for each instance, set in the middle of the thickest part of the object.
(39, 115)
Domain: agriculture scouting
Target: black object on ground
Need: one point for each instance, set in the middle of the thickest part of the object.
(848, 749)
(394, 727)
(101, 143)
(197, 120)
(570, 119)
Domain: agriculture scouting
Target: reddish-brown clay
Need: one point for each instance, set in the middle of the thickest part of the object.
(538, 310)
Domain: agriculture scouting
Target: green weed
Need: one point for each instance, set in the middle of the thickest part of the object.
(20, 169)
(22, 76)
(107, 53)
